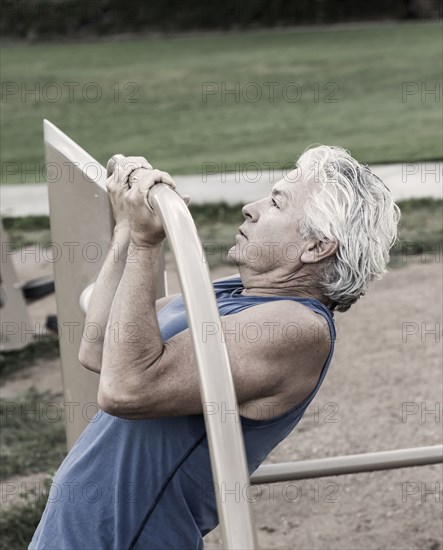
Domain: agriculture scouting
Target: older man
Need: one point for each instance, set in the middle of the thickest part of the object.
(139, 476)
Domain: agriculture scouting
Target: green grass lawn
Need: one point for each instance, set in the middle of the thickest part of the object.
(350, 83)
(18, 523)
(33, 436)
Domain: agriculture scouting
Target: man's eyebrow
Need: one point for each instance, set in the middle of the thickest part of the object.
(281, 193)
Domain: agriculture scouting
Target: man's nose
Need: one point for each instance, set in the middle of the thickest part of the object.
(251, 210)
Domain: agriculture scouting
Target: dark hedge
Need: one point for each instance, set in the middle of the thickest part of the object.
(47, 19)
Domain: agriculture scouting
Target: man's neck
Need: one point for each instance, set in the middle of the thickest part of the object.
(299, 287)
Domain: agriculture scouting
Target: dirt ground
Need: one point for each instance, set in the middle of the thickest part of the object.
(382, 392)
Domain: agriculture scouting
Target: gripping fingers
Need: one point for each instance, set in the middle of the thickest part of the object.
(159, 177)
(146, 180)
(111, 164)
(141, 181)
(122, 167)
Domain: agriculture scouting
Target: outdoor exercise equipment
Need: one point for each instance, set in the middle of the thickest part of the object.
(81, 213)
(16, 329)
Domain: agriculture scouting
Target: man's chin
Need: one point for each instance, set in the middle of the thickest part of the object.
(233, 255)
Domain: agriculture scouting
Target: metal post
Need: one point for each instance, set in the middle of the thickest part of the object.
(351, 464)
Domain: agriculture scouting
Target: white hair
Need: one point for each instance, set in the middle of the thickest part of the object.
(351, 205)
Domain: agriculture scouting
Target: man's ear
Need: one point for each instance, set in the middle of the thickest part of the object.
(318, 250)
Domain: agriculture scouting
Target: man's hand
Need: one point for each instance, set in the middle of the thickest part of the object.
(145, 225)
(128, 184)
(119, 169)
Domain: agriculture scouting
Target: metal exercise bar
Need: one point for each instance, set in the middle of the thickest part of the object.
(351, 464)
(226, 445)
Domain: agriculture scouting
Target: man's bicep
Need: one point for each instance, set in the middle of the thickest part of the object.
(258, 364)
(270, 357)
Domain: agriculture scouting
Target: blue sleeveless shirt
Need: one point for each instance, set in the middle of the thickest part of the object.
(147, 484)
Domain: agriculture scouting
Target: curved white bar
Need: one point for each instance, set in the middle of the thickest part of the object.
(228, 457)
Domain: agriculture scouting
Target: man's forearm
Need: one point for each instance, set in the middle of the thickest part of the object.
(133, 340)
(91, 348)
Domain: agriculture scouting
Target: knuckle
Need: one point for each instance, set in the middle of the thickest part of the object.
(131, 165)
(119, 163)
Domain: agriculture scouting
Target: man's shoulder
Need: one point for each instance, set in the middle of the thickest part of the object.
(293, 321)
(229, 277)
(288, 344)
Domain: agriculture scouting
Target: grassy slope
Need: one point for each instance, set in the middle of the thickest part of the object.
(171, 124)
